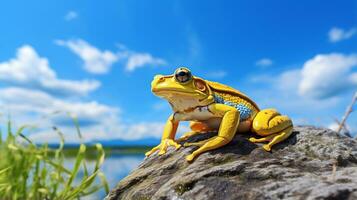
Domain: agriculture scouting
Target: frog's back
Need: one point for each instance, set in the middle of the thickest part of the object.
(232, 97)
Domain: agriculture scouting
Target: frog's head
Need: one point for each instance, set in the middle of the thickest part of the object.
(181, 85)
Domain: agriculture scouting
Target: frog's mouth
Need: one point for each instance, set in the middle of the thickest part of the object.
(174, 94)
(166, 91)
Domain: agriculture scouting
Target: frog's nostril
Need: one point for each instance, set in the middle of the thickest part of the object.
(159, 78)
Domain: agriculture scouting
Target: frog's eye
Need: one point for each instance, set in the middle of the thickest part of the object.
(183, 75)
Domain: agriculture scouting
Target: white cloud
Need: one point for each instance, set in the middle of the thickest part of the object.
(30, 70)
(323, 76)
(97, 121)
(22, 101)
(328, 75)
(288, 80)
(95, 60)
(314, 94)
(137, 60)
(333, 126)
(31, 96)
(285, 81)
(71, 15)
(264, 62)
(100, 62)
(104, 131)
(338, 34)
(281, 92)
(144, 129)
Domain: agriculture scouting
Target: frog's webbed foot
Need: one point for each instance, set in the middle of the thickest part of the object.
(279, 138)
(273, 126)
(162, 147)
(263, 139)
(209, 144)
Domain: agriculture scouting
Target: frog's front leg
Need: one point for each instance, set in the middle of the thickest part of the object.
(167, 137)
(228, 127)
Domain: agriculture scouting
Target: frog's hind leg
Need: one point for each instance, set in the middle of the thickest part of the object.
(199, 127)
(273, 126)
(263, 139)
(214, 124)
(279, 138)
(199, 143)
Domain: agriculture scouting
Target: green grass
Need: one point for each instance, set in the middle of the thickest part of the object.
(128, 150)
(91, 152)
(32, 172)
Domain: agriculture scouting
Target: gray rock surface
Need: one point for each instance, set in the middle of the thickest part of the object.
(313, 163)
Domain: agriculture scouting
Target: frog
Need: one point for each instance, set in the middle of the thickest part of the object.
(214, 107)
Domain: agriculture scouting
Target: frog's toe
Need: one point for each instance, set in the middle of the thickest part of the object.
(252, 139)
(267, 147)
(200, 143)
(151, 151)
(189, 144)
(190, 158)
(163, 150)
(175, 144)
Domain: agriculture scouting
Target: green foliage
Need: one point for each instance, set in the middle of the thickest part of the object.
(28, 171)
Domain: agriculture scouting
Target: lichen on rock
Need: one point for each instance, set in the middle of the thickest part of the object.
(313, 163)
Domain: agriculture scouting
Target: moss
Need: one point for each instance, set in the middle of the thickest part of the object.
(142, 198)
(224, 160)
(311, 154)
(308, 152)
(343, 180)
(180, 189)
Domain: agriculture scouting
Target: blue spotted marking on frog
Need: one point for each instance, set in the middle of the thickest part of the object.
(244, 111)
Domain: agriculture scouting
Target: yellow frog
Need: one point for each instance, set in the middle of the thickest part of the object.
(211, 106)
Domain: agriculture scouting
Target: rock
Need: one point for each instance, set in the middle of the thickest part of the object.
(313, 163)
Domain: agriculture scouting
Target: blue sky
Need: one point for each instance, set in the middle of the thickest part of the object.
(96, 60)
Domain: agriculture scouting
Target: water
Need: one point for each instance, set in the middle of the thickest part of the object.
(115, 167)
